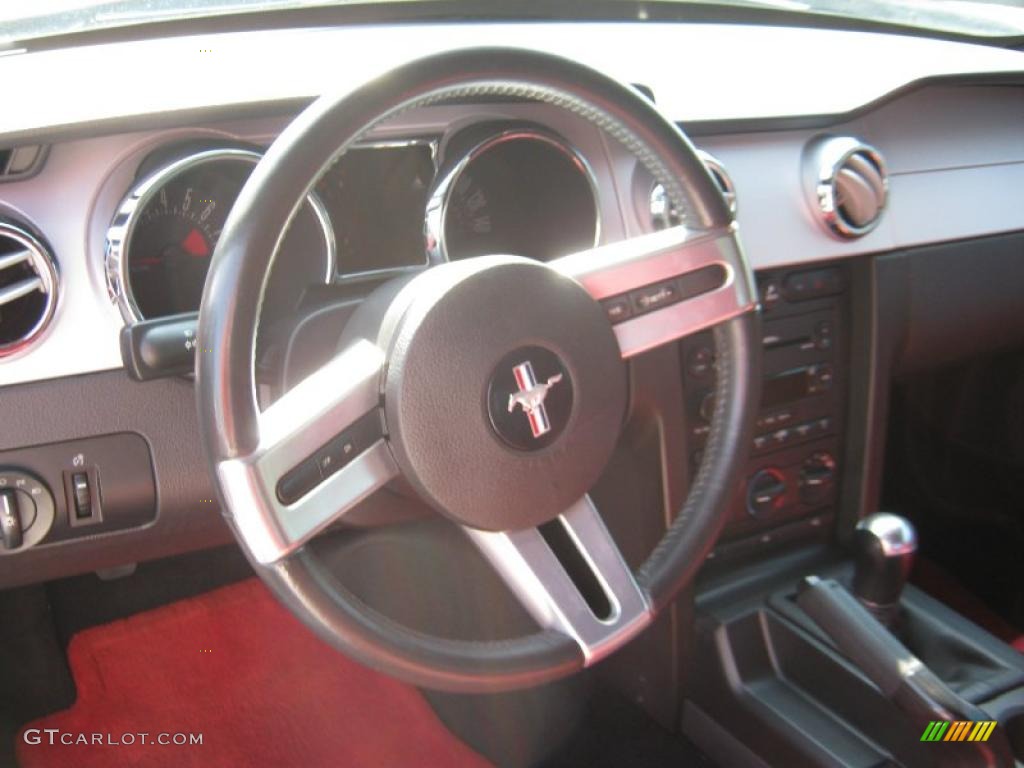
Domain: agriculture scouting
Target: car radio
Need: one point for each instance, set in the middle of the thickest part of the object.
(792, 472)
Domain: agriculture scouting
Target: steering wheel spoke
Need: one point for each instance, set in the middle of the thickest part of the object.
(570, 576)
(321, 452)
(662, 286)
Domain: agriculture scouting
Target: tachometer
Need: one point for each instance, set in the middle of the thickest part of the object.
(160, 244)
(522, 192)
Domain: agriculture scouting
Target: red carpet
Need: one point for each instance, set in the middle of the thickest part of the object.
(236, 667)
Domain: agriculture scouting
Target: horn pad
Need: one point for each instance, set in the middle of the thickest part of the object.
(505, 391)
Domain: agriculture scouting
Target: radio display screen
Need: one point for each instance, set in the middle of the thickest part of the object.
(785, 388)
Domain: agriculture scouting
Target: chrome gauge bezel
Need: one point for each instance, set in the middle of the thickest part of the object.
(121, 229)
(648, 193)
(439, 200)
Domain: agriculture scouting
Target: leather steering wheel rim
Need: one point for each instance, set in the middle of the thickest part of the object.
(230, 419)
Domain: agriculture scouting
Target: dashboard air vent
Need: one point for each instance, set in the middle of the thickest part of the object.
(28, 288)
(847, 184)
(664, 214)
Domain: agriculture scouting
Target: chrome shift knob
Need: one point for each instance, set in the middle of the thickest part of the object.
(884, 548)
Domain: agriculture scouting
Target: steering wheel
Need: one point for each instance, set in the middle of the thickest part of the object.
(496, 386)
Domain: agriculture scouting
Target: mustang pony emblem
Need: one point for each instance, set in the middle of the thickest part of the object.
(531, 396)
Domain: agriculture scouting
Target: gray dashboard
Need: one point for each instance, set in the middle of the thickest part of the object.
(953, 147)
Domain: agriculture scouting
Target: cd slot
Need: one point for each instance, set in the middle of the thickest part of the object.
(779, 342)
(795, 341)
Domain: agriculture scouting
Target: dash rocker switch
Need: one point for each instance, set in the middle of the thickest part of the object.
(82, 495)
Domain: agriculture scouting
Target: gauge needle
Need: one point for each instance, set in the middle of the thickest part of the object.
(196, 244)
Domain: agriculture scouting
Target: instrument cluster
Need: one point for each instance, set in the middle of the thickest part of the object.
(379, 208)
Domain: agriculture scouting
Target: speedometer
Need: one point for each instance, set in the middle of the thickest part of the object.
(160, 245)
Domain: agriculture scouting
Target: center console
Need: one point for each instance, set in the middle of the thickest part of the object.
(793, 469)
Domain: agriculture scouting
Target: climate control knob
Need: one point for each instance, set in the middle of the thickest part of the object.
(817, 477)
(765, 492)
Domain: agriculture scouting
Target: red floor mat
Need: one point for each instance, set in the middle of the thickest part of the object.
(236, 667)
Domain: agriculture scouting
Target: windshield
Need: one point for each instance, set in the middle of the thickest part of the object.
(26, 19)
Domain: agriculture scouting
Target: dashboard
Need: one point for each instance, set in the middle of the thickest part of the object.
(112, 208)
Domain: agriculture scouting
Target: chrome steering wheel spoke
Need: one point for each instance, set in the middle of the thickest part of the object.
(321, 451)
(570, 576)
(664, 285)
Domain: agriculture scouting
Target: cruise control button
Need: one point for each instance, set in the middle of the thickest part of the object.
(701, 281)
(298, 482)
(652, 297)
(618, 309)
(335, 455)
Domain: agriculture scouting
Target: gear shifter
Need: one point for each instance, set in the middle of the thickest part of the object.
(884, 548)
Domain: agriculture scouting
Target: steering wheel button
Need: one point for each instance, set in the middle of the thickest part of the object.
(618, 309)
(701, 281)
(298, 482)
(652, 297)
(335, 455)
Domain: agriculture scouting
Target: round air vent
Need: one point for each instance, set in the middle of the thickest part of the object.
(664, 214)
(846, 183)
(28, 288)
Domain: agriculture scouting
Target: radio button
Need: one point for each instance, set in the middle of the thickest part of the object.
(770, 293)
(812, 284)
(820, 379)
(823, 335)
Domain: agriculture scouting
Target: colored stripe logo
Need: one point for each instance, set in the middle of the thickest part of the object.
(958, 730)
